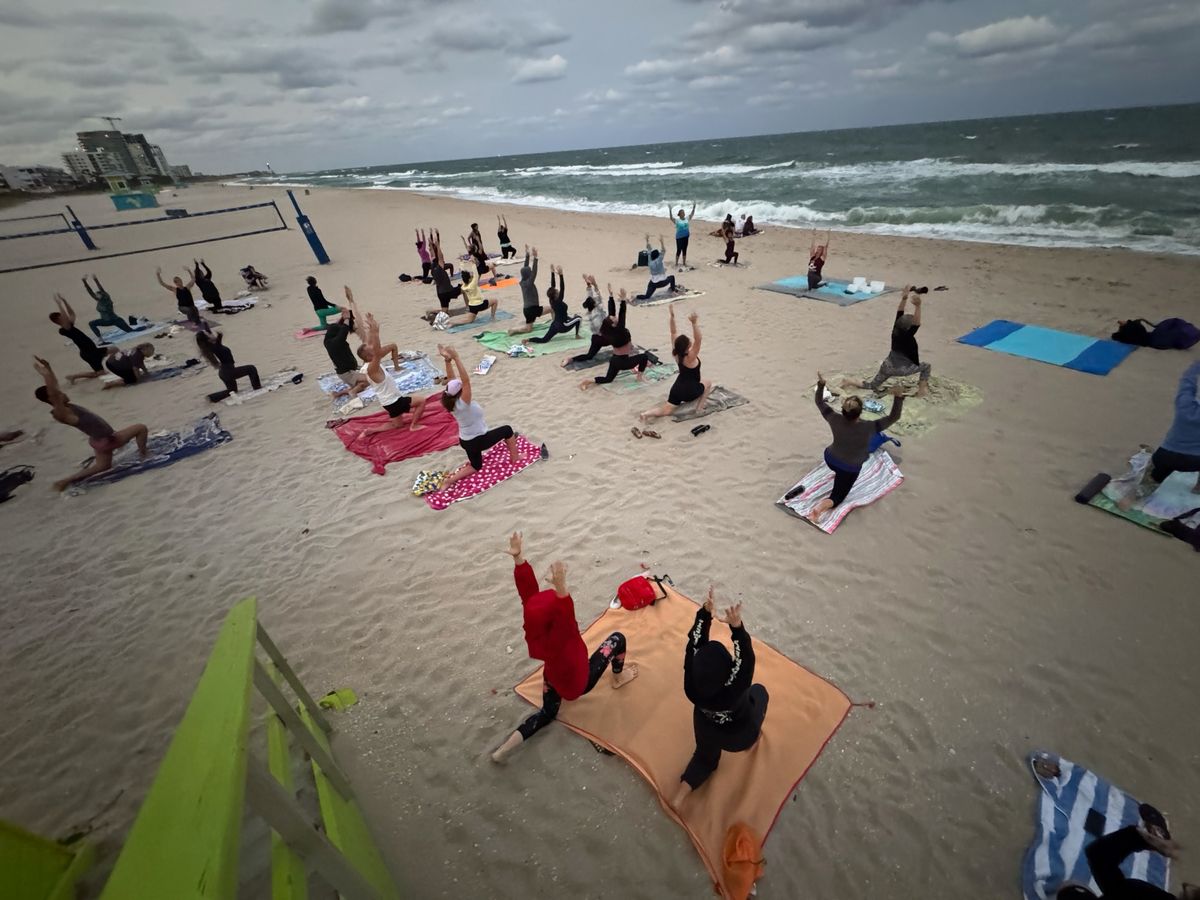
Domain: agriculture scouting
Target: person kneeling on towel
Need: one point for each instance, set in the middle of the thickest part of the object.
(552, 635)
(728, 709)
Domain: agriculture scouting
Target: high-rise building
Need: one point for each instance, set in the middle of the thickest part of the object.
(143, 154)
(35, 178)
(110, 142)
(160, 160)
(181, 171)
(90, 166)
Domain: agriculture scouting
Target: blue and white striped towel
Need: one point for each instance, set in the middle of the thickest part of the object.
(1056, 855)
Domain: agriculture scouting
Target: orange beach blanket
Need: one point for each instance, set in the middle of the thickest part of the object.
(649, 724)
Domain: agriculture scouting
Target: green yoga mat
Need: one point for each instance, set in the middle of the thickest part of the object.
(502, 340)
(626, 382)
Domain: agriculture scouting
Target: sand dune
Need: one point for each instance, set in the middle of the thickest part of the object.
(985, 612)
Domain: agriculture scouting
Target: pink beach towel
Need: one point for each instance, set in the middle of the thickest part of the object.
(439, 433)
(308, 332)
(496, 468)
(878, 478)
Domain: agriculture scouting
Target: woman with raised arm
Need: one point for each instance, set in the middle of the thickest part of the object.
(390, 398)
(682, 232)
(563, 321)
(216, 354)
(442, 271)
(506, 246)
(475, 304)
(623, 356)
(104, 307)
(658, 270)
(531, 303)
(601, 325)
(202, 275)
(818, 255)
(64, 318)
(552, 635)
(851, 444)
(731, 255)
(473, 434)
(423, 253)
(728, 708)
(688, 385)
(183, 298)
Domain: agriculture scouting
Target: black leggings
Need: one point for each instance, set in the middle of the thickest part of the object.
(444, 299)
(711, 738)
(230, 375)
(842, 480)
(612, 650)
(814, 281)
(598, 343)
(476, 446)
(653, 286)
(620, 364)
(1166, 462)
(681, 247)
(730, 255)
(508, 250)
(556, 328)
(1105, 856)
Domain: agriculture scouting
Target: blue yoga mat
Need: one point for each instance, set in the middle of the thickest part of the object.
(832, 291)
(1097, 356)
(1074, 808)
(484, 318)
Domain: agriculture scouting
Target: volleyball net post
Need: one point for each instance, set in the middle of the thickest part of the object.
(306, 226)
(80, 230)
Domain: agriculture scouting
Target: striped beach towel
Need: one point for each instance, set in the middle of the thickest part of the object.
(879, 477)
(1075, 807)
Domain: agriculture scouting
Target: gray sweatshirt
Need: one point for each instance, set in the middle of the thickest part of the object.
(529, 291)
(852, 438)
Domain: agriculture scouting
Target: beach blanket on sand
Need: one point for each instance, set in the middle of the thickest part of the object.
(719, 264)
(165, 447)
(159, 370)
(831, 291)
(720, 399)
(269, 385)
(497, 467)
(499, 283)
(440, 431)
(483, 320)
(305, 333)
(1172, 498)
(947, 400)
(142, 332)
(502, 340)
(648, 723)
(663, 297)
(1074, 808)
(1096, 356)
(413, 376)
(626, 381)
(602, 358)
(237, 305)
(879, 477)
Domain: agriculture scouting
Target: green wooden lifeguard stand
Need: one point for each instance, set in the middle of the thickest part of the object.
(185, 842)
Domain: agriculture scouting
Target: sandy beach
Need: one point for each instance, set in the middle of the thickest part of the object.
(985, 613)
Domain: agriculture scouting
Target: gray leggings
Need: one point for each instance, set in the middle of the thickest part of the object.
(896, 365)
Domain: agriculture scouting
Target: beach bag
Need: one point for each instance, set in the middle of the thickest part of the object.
(643, 259)
(642, 590)
(1174, 334)
(1132, 332)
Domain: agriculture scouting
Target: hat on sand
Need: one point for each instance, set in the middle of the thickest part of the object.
(454, 387)
(710, 670)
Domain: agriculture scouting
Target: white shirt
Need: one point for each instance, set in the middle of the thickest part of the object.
(386, 390)
(469, 416)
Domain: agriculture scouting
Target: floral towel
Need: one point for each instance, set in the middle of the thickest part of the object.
(497, 467)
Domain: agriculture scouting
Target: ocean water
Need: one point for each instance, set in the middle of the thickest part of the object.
(1106, 178)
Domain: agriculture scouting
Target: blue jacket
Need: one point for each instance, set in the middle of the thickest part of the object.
(1184, 436)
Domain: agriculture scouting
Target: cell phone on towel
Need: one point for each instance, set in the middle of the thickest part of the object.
(1094, 823)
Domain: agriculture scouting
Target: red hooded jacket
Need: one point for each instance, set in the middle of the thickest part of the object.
(552, 635)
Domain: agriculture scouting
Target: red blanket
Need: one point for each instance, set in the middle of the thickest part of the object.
(440, 432)
(497, 467)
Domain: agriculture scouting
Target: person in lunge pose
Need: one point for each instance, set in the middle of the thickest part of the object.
(552, 635)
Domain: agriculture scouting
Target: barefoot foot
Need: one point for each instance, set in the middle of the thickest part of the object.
(626, 675)
(817, 512)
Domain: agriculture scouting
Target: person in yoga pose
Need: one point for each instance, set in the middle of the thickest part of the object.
(103, 440)
(1180, 449)
(474, 246)
(337, 345)
(130, 367)
(216, 354)
(423, 253)
(531, 303)
(202, 276)
(475, 304)
(682, 225)
(183, 299)
(623, 357)
(688, 384)
(386, 389)
(563, 321)
(728, 708)
(731, 255)
(818, 254)
(321, 306)
(552, 635)
(506, 246)
(658, 270)
(442, 271)
(255, 280)
(104, 307)
(851, 444)
(473, 434)
(904, 357)
(1106, 854)
(64, 318)
(601, 325)
(748, 226)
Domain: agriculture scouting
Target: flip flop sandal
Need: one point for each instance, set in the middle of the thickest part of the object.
(700, 429)
(1155, 821)
(636, 432)
(652, 434)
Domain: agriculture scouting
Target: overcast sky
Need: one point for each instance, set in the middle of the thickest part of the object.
(229, 85)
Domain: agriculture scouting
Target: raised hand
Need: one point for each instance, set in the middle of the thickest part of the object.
(820, 378)
(692, 317)
(733, 616)
(709, 603)
(40, 365)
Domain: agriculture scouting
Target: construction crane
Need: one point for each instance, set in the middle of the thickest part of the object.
(111, 120)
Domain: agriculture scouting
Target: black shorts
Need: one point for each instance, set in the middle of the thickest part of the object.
(532, 313)
(444, 299)
(814, 281)
(399, 408)
(478, 309)
(685, 392)
(95, 359)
